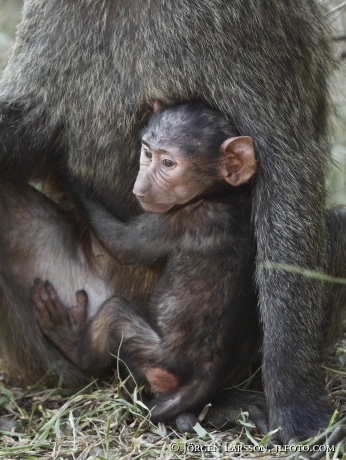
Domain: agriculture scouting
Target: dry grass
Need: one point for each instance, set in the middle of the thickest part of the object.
(104, 421)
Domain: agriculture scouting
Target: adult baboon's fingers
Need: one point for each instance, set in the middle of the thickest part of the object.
(40, 310)
(82, 298)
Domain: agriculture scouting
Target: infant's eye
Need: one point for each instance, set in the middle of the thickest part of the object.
(168, 163)
(147, 153)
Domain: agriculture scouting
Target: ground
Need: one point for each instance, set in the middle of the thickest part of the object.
(104, 421)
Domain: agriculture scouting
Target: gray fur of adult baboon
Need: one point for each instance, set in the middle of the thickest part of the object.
(77, 90)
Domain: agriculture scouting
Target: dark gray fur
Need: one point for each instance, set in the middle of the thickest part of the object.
(77, 89)
(202, 323)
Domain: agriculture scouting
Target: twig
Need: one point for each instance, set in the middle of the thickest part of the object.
(333, 370)
(339, 37)
(337, 8)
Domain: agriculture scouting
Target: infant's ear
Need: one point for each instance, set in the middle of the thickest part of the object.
(237, 162)
(158, 106)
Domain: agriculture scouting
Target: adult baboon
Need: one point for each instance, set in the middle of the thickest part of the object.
(202, 328)
(76, 91)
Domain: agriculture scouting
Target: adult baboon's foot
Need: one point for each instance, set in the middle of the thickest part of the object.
(58, 323)
(225, 413)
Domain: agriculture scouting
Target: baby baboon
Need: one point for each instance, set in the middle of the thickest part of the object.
(203, 326)
(76, 91)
